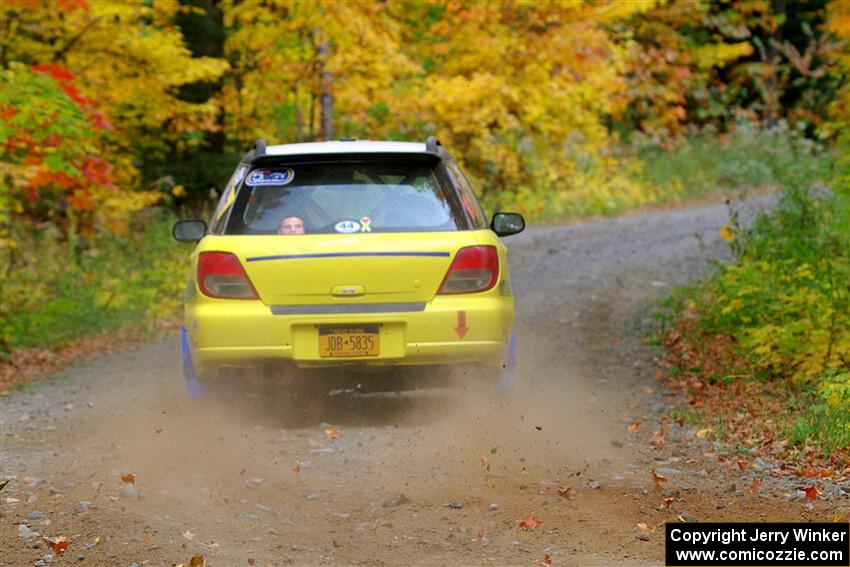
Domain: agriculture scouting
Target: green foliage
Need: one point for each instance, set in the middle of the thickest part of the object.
(785, 301)
(38, 113)
(825, 424)
(104, 283)
(749, 157)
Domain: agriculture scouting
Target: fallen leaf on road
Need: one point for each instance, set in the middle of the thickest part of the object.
(668, 501)
(659, 437)
(546, 560)
(811, 493)
(754, 487)
(332, 432)
(529, 523)
(742, 464)
(99, 539)
(706, 433)
(129, 478)
(659, 480)
(634, 427)
(58, 544)
(251, 561)
(297, 466)
(644, 527)
(566, 492)
(198, 561)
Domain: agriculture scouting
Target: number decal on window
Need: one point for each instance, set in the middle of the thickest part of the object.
(347, 226)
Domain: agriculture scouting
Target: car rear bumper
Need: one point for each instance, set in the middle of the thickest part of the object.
(449, 330)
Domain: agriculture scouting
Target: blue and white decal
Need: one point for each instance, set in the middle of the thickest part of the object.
(347, 226)
(261, 177)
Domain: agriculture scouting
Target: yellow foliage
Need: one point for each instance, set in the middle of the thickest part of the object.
(115, 207)
(517, 91)
(836, 390)
(720, 54)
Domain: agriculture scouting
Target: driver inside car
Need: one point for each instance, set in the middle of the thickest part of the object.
(291, 225)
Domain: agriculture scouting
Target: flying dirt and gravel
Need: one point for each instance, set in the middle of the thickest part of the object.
(116, 458)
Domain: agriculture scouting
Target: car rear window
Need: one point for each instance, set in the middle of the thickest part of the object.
(348, 198)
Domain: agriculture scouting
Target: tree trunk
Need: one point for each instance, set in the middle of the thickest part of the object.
(326, 79)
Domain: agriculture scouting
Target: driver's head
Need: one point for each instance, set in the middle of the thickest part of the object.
(291, 225)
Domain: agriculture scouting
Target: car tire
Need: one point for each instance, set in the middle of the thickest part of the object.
(193, 382)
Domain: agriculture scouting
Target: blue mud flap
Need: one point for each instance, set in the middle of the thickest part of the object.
(509, 372)
(193, 385)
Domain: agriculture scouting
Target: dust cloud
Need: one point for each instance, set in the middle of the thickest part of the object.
(548, 427)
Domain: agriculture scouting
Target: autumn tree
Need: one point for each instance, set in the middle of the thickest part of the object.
(700, 62)
(125, 63)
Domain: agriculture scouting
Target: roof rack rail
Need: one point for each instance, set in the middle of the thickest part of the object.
(431, 144)
(259, 148)
(347, 140)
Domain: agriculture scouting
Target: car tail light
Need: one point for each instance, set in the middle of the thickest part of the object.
(475, 268)
(221, 275)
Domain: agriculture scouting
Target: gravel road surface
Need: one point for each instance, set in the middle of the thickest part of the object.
(431, 477)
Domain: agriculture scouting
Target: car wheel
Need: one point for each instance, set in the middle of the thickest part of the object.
(193, 381)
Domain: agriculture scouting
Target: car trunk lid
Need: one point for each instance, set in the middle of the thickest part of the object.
(372, 269)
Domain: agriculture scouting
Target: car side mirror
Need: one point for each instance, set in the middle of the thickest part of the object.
(506, 224)
(189, 230)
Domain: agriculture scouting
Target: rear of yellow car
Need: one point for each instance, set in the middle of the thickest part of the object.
(383, 291)
(372, 281)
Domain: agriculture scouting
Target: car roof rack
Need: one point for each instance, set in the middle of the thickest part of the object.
(433, 145)
(259, 148)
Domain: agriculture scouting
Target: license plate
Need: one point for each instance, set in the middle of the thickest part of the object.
(348, 341)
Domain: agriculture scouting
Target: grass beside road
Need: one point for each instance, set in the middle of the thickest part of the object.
(762, 349)
(63, 299)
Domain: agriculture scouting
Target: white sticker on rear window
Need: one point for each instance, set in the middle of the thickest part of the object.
(347, 226)
(278, 177)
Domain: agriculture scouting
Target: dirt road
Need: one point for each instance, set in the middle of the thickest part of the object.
(439, 477)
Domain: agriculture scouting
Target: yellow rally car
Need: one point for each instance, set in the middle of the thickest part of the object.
(347, 253)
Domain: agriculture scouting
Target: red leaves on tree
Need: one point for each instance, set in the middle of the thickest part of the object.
(97, 171)
(82, 200)
(65, 79)
(71, 5)
(55, 70)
